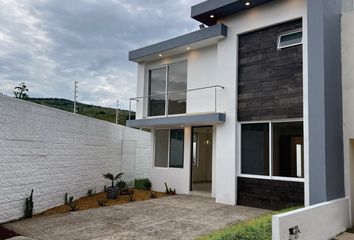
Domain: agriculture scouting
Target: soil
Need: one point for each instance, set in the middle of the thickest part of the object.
(92, 201)
(5, 233)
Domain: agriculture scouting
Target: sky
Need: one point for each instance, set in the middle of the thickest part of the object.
(49, 44)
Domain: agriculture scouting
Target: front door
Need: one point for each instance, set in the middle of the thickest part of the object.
(201, 160)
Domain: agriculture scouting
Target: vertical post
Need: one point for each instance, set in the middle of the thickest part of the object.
(130, 108)
(117, 113)
(215, 101)
(75, 95)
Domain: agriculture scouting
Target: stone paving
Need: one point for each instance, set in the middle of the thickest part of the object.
(175, 217)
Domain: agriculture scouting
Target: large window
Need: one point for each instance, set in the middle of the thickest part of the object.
(167, 87)
(273, 149)
(169, 145)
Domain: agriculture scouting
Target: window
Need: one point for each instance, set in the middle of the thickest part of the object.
(176, 148)
(255, 149)
(288, 141)
(169, 148)
(167, 87)
(157, 88)
(283, 156)
(289, 39)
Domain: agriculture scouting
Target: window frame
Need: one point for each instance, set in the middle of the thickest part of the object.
(270, 175)
(148, 83)
(289, 33)
(169, 149)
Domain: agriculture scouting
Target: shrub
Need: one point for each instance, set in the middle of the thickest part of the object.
(142, 183)
(121, 184)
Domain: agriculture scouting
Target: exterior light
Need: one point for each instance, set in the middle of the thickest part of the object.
(188, 48)
(212, 16)
(160, 55)
(247, 3)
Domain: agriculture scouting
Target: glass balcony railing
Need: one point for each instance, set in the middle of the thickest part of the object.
(172, 103)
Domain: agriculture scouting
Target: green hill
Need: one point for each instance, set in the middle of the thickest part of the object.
(102, 113)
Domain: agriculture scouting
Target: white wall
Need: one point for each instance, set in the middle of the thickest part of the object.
(54, 152)
(348, 102)
(318, 222)
(176, 178)
(227, 54)
(202, 73)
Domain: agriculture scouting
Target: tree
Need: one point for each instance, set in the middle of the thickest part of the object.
(21, 91)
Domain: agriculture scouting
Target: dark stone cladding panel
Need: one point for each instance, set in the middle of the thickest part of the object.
(269, 194)
(270, 82)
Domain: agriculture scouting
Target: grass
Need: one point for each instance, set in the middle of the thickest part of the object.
(259, 228)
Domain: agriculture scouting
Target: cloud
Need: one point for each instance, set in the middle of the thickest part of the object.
(49, 44)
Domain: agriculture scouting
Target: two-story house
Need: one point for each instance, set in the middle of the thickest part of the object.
(247, 109)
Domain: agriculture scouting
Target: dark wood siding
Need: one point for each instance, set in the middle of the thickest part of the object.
(269, 80)
(269, 194)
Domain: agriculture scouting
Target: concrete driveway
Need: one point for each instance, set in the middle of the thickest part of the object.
(175, 217)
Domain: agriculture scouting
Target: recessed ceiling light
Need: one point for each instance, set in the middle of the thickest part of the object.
(160, 55)
(212, 16)
(188, 48)
(247, 3)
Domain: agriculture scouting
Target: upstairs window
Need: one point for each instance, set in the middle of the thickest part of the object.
(167, 86)
(290, 39)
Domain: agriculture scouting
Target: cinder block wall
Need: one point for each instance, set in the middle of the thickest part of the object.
(54, 152)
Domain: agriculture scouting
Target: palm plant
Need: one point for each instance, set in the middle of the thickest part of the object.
(113, 178)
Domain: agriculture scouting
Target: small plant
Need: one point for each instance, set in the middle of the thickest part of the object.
(113, 178)
(142, 183)
(105, 188)
(169, 191)
(101, 203)
(73, 207)
(122, 186)
(153, 195)
(29, 206)
(68, 201)
(91, 192)
(131, 196)
(112, 192)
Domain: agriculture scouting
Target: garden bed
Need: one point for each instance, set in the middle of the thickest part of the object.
(92, 201)
(5, 233)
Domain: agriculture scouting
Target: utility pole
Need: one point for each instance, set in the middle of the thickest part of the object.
(75, 96)
(117, 113)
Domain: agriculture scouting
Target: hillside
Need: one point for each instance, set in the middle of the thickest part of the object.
(102, 113)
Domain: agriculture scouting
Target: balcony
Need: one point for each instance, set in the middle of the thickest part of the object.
(191, 107)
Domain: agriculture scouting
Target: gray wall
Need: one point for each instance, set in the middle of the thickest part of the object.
(326, 165)
(54, 152)
(270, 82)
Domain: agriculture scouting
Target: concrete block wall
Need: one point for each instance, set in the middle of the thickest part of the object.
(54, 152)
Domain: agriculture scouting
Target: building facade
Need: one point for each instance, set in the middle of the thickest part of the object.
(247, 109)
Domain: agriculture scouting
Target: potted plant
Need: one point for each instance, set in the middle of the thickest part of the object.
(112, 191)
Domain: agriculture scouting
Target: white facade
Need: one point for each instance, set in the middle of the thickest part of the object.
(217, 65)
(56, 152)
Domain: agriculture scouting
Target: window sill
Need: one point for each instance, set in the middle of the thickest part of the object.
(288, 179)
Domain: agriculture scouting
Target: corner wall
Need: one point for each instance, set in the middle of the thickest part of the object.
(318, 222)
(54, 152)
(326, 164)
